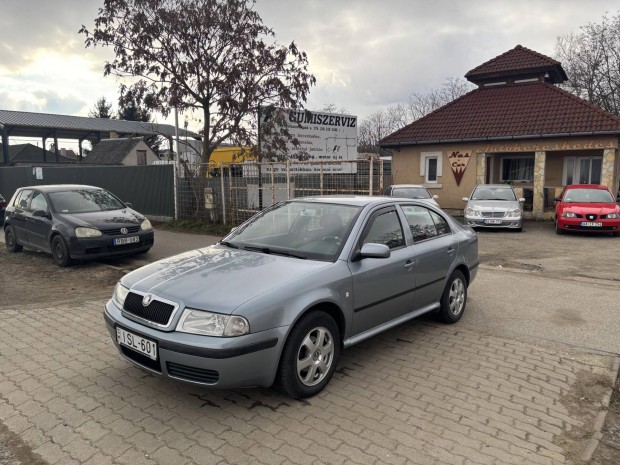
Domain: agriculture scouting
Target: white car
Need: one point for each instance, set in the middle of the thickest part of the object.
(494, 206)
(411, 191)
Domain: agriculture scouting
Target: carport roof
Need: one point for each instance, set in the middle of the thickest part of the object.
(26, 124)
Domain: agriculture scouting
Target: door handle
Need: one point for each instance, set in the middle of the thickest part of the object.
(409, 264)
(450, 250)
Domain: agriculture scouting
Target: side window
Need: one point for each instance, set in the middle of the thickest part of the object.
(385, 228)
(420, 222)
(38, 202)
(440, 224)
(23, 199)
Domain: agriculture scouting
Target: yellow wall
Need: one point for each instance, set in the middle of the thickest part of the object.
(406, 162)
(228, 155)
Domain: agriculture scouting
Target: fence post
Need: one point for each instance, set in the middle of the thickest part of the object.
(321, 177)
(370, 183)
(273, 186)
(288, 179)
(175, 187)
(223, 193)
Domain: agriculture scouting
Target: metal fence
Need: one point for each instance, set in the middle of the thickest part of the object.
(231, 193)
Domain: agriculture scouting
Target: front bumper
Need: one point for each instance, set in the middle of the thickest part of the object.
(576, 224)
(86, 248)
(479, 222)
(226, 363)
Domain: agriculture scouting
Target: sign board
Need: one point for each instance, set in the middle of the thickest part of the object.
(324, 137)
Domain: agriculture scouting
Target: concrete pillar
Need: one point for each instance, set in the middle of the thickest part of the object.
(481, 168)
(539, 184)
(607, 172)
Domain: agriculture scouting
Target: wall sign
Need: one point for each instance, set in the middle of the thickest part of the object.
(458, 163)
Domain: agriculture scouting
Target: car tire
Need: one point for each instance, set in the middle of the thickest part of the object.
(60, 252)
(558, 230)
(454, 298)
(11, 241)
(310, 356)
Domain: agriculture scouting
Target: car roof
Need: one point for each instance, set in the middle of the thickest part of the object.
(495, 186)
(408, 185)
(355, 200)
(61, 187)
(587, 186)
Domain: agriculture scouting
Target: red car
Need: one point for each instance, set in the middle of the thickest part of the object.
(587, 207)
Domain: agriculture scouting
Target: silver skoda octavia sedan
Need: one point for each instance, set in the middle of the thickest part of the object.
(494, 206)
(285, 292)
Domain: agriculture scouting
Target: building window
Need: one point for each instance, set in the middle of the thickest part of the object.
(519, 169)
(582, 170)
(141, 157)
(430, 166)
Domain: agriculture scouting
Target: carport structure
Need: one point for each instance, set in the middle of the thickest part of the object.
(49, 126)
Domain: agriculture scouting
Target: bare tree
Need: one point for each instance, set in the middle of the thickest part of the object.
(208, 56)
(388, 120)
(591, 59)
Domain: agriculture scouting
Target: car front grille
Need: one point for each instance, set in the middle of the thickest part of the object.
(493, 214)
(197, 375)
(117, 231)
(157, 311)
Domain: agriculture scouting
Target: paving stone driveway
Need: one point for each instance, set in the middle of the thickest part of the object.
(420, 394)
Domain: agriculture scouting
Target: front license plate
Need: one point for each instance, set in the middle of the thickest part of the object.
(137, 343)
(493, 221)
(590, 224)
(126, 240)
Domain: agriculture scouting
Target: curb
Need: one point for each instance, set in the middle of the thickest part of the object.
(600, 418)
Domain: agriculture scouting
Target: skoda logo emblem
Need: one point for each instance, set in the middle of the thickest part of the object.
(124, 231)
(147, 299)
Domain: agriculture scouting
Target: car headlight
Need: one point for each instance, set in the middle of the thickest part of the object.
(146, 225)
(516, 213)
(569, 215)
(212, 324)
(613, 216)
(472, 212)
(87, 232)
(120, 294)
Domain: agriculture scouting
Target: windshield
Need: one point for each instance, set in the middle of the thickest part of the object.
(300, 229)
(84, 201)
(493, 193)
(411, 192)
(588, 196)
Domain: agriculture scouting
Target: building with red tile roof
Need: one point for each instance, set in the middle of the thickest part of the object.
(516, 127)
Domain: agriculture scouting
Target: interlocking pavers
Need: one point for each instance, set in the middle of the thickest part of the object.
(421, 394)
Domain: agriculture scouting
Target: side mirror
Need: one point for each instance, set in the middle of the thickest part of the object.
(435, 197)
(556, 199)
(129, 204)
(465, 199)
(372, 250)
(522, 200)
(40, 214)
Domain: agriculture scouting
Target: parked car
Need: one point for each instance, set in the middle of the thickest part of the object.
(2, 209)
(494, 206)
(74, 222)
(587, 207)
(411, 191)
(285, 292)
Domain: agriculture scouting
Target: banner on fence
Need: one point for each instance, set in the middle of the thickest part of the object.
(325, 137)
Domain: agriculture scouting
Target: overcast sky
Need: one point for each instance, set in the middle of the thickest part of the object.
(365, 54)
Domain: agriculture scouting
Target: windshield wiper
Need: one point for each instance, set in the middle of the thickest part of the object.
(267, 250)
(229, 244)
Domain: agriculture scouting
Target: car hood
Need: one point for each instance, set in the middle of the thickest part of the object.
(590, 208)
(104, 219)
(493, 205)
(218, 278)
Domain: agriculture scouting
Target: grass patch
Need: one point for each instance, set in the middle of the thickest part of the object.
(195, 227)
